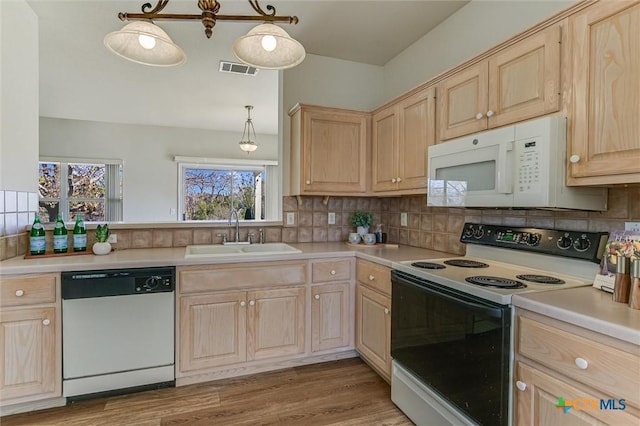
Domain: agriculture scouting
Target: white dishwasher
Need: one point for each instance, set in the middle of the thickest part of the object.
(117, 331)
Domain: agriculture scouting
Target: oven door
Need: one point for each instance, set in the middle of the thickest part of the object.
(455, 344)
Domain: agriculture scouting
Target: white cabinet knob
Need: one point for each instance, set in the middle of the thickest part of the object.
(582, 363)
(19, 293)
(46, 322)
(386, 311)
(371, 278)
(574, 159)
(489, 113)
(252, 302)
(308, 182)
(393, 180)
(479, 116)
(317, 297)
(399, 180)
(333, 272)
(521, 385)
(243, 303)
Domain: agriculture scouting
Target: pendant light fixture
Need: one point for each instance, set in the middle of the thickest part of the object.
(246, 143)
(265, 46)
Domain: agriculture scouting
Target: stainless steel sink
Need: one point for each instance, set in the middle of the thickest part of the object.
(239, 250)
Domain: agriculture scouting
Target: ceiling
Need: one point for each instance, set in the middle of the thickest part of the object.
(81, 79)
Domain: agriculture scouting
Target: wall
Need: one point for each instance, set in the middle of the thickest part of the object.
(474, 28)
(18, 122)
(150, 174)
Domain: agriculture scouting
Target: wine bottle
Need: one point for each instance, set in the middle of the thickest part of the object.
(60, 239)
(37, 240)
(79, 235)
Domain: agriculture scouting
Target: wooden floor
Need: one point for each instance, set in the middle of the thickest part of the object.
(345, 392)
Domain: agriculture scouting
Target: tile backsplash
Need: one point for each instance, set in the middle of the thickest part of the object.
(436, 228)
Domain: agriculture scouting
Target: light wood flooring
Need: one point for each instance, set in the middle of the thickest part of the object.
(345, 392)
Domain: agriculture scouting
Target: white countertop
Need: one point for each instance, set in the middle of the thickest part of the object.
(586, 307)
(133, 258)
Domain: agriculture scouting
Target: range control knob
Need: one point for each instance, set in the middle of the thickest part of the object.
(533, 239)
(152, 282)
(564, 242)
(582, 243)
(468, 231)
(478, 232)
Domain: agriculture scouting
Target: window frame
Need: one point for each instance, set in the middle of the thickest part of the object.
(272, 200)
(114, 188)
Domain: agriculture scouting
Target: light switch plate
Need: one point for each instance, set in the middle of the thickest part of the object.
(403, 219)
(291, 218)
(632, 226)
(331, 218)
(112, 239)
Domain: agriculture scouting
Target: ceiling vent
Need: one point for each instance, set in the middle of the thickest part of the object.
(237, 68)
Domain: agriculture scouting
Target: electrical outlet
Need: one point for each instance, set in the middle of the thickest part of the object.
(291, 218)
(172, 212)
(331, 218)
(403, 219)
(632, 226)
(112, 239)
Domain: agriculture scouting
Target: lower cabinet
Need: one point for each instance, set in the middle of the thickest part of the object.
(234, 327)
(566, 375)
(330, 316)
(30, 339)
(373, 329)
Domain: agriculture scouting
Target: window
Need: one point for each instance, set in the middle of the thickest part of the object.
(212, 191)
(92, 188)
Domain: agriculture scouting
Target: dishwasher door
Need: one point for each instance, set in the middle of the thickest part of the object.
(117, 342)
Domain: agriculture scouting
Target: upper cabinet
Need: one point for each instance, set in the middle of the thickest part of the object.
(401, 135)
(604, 109)
(328, 151)
(519, 82)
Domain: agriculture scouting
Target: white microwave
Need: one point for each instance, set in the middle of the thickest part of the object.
(520, 166)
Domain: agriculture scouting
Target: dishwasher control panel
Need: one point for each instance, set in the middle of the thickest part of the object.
(117, 282)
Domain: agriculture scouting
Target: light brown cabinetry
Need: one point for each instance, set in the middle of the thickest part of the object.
(220, 326)
(604, 142)
(332, 304)
(519, 82)
(557, 360)
(401, 135)
(30, 338)
(373, 316)
(329, 151)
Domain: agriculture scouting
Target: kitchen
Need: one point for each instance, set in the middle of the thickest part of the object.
(437, 228)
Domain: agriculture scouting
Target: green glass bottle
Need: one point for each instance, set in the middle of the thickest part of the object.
(37, 240)
(79, 235)
(60, 239)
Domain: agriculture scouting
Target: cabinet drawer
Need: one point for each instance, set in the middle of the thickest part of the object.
(331, 270)
(613, 371)
(28, 290)
(241, 275)
(374, 275)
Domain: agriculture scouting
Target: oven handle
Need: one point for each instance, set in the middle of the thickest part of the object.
(425, 285)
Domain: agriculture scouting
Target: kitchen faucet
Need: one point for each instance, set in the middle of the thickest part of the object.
(235, 212)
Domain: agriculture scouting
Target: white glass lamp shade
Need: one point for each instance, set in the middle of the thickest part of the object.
(248, 146)
(145, 43)
(268, 46)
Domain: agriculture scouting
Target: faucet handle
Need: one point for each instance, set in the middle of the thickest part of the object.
(223, 236)
(261, 235)
(249, 237)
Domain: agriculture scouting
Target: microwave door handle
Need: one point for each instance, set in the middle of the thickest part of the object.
(504, 179)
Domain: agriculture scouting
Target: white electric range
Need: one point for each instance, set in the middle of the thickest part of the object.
(451, 323)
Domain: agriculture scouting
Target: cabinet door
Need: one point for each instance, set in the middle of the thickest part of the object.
(334, 152)
(330, 316)
(384, 150)
(604, 147)
(462, 102)
(28, 353)
(417, 133)
(275, 322)
(212, 330)
(538, 402)
(524, 79)
(373, 328)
